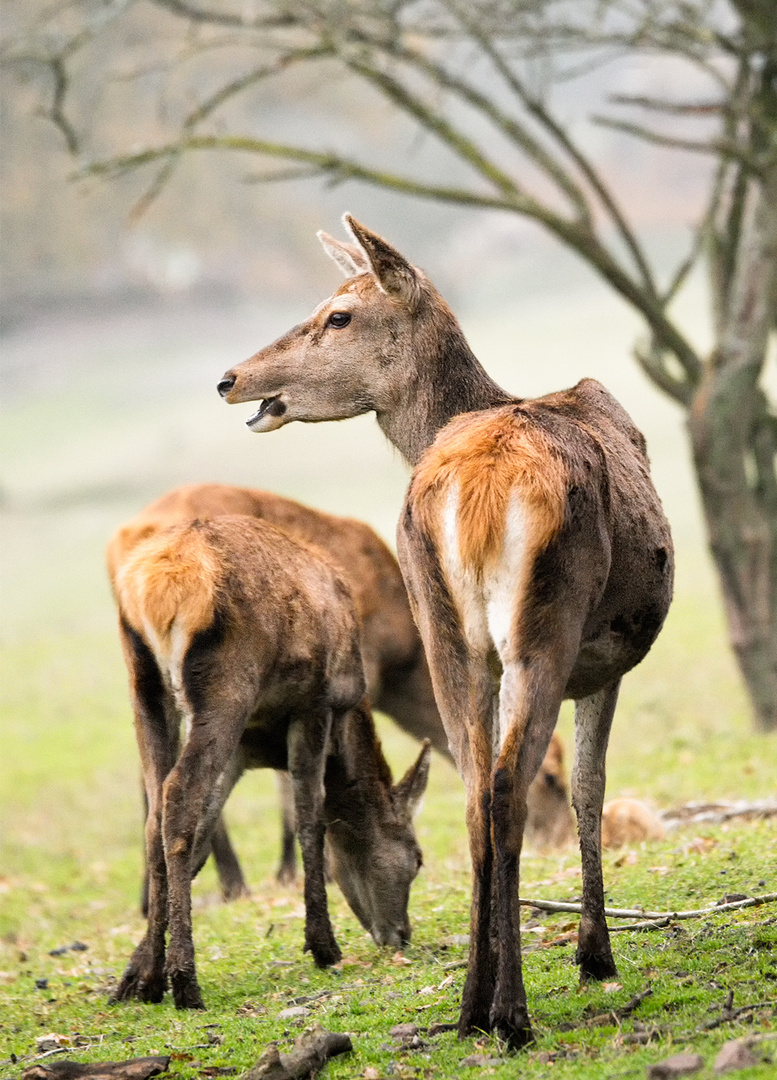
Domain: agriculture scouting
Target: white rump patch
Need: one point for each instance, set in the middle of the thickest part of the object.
(467, 591)
(504, 584)
(170, 653)
(488, 609)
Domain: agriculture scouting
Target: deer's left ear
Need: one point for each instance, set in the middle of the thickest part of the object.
(349, 257)
(409, 792)
(394, 273)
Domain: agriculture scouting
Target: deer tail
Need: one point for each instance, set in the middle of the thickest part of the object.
(167, 587)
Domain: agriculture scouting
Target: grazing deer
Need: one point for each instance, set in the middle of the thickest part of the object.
(549, 822)
(537, 558)
(250, 640)
(398, 681)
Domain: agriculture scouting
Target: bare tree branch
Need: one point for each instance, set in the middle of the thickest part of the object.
(714, 147)
(56, 113)
(681, 108)
(251, 78)
(335, 167)
(214, 17)
(536, 109)
(653, 361)
(517, 133)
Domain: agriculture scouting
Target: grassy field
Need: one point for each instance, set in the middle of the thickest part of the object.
(99, 419)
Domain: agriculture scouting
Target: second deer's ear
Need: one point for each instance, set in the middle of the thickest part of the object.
(409, 792)
(349, 257)
(394, 273)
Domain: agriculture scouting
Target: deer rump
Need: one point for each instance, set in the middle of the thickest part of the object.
(398, 680)
(249, 641)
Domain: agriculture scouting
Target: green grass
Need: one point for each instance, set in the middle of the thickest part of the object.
(71, 870)
(70, 856)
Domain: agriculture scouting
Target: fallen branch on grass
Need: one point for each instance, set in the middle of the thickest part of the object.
(716, 813)
(311, 1052)
(728, 1013)
(134, 1069)
(649, 917)
(612, 1016)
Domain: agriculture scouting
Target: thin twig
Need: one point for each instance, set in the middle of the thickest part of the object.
(635, 913)
(724, 148)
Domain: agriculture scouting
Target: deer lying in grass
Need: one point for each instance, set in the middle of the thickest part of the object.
(398, 681)
(537, 558)
(250, 640)
(629, 821)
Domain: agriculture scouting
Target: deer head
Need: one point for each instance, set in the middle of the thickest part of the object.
(337, 364)
(374, 855)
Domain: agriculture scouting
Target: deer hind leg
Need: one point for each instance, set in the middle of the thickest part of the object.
(479, 985)
(156, 729)
(593, 719)
(465, 695)
(194, 794)
(528, 709)
(308, 742)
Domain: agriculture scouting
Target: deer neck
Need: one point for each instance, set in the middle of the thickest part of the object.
(443, 379)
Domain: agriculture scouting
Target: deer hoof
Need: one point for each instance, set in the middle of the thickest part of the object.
(135, 986)
(596, 966)
(515, 1029)
(186, 991)
(326, 955)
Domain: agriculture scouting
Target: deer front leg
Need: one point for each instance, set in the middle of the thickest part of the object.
(308, 742)
(593, 719)
(233, 884)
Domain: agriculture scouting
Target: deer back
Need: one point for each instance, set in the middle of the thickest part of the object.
(198, 595)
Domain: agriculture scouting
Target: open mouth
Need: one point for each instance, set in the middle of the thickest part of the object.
(268, 415)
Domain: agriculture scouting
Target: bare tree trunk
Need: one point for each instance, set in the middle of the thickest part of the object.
(734, 440)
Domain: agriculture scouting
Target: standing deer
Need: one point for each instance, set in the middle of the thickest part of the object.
(249, 640)
(537, 558)
(398, 681)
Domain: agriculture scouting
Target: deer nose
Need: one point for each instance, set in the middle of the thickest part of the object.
(226, 384)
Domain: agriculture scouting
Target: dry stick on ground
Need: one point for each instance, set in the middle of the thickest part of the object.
(311, 1052)
(715, 813)
(612, 1016)
(728, 1013)
(651, 918)
(134, 1069)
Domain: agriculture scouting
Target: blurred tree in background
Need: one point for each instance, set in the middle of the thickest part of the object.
(507, 101)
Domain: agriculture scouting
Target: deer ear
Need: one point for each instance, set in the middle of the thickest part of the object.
(349, 257)
(409, 792)
(394, 273)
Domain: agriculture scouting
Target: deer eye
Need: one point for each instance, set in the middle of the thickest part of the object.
(339, 319)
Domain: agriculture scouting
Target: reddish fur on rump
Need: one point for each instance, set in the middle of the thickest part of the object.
(489, 456)
(155, 586)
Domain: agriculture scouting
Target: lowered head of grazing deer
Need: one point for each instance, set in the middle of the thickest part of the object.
(255, 684)
(373, 853)
(537, 558)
